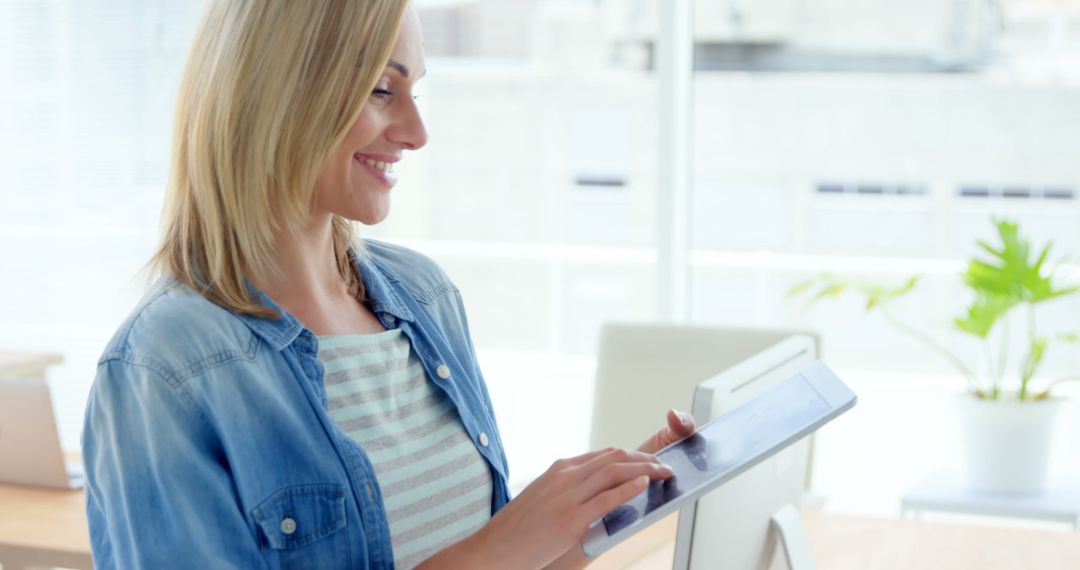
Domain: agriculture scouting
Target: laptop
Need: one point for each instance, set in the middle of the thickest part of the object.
(30, 451)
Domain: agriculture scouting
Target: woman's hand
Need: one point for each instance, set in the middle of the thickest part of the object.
(552, 514)
(544, 525)
(680, 425)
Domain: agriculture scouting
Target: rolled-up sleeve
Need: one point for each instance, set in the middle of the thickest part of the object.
(159, 490)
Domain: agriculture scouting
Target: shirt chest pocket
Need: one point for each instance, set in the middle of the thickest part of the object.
(302, 526)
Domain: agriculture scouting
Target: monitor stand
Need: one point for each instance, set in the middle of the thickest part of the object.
(792, 538)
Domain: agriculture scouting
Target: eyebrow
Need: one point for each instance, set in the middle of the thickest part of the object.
(404, 71)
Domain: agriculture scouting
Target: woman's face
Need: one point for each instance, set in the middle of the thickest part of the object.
(355, 182)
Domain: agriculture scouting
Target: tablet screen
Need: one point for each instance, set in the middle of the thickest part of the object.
(725, 444)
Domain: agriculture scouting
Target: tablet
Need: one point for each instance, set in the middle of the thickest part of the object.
(725, 447)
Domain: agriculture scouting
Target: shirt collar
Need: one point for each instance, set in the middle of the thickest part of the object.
(279, 331)
(384, 297)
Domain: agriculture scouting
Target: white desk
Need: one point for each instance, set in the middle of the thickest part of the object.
(946, 491)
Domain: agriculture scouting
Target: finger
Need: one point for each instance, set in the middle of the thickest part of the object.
(658, 441)
(586, 457)
(681, 424)
(607, 501)
(615, 474)
(616, 455)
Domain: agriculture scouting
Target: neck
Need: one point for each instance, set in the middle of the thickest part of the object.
(308, 267)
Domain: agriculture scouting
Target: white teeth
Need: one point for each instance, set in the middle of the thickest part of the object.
(383, 166)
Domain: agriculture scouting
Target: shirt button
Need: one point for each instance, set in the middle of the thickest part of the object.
(391, 319)
(443, 371)
(483, 439)
(288, 525)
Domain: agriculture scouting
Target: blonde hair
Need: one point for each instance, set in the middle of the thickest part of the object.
(269, 90)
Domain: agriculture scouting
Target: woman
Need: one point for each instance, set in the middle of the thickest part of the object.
(287, 396)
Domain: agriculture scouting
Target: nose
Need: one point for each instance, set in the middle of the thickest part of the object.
(409, 130)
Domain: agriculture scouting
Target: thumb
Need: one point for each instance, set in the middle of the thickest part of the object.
(680, 424)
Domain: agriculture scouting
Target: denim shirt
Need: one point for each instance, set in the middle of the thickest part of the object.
(207, 443)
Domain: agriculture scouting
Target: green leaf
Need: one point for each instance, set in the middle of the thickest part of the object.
(828, 285)
(983, 314)
(829, 290)
(801, 287)
(1007, 278)
(906, 287)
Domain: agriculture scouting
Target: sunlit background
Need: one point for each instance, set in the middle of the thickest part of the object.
(872, 138)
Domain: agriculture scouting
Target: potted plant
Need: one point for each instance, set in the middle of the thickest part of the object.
(1007, 418)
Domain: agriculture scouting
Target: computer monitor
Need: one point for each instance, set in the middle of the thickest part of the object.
(731, 528)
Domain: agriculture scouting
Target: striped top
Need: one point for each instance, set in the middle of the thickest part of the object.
(436, 487)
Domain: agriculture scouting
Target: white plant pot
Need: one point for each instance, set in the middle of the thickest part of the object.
(1007, 443)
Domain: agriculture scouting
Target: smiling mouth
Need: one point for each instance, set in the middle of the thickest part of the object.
(387, 167)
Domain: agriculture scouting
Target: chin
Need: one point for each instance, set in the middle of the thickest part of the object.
(369, 218)
(367, 210)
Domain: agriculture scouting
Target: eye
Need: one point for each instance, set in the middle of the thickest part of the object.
(382, 90)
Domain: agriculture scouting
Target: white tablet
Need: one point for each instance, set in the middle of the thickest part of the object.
(725, 447)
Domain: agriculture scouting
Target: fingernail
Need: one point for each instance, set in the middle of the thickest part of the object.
(642, 481)
(666, 468)
(684, 417)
